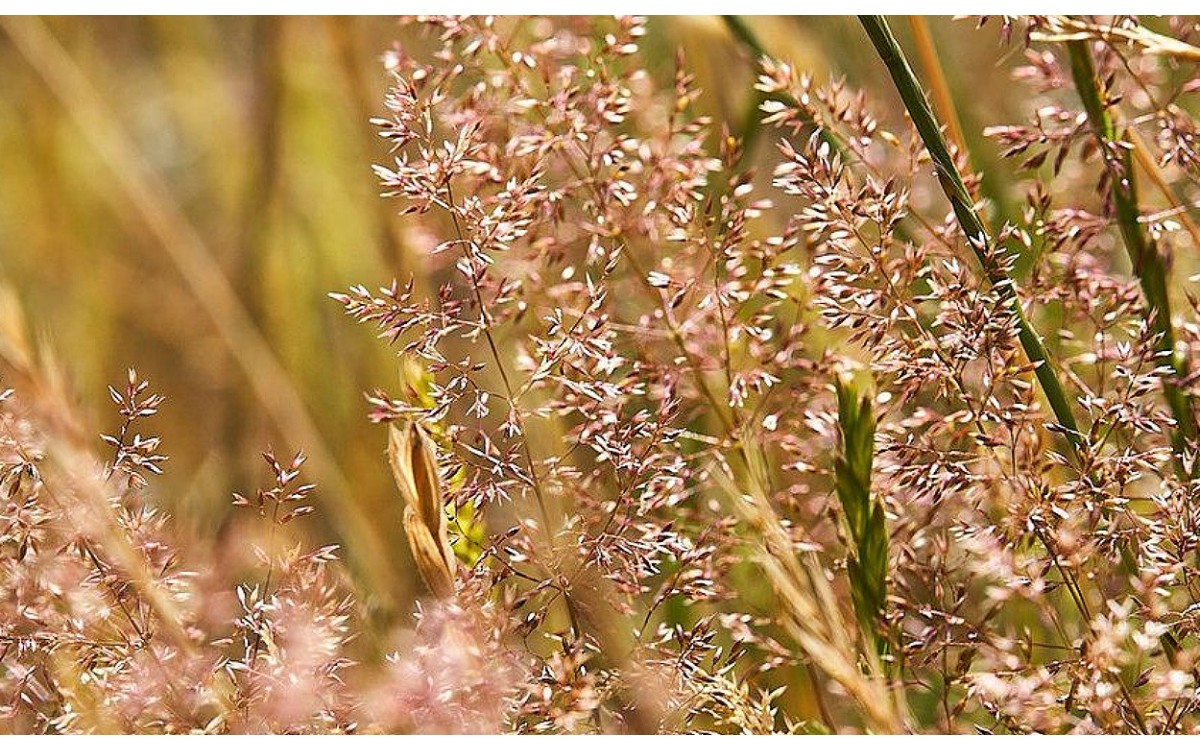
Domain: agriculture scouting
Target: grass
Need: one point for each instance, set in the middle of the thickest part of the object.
(867, 565)
(990, 257)
(1147, 263)
(702, 412)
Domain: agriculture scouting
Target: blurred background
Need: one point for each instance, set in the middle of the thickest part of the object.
(179, 195)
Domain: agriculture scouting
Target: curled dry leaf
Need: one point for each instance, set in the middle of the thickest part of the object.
(413, 458)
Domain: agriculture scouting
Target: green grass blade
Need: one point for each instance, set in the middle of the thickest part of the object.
(1143, 255)
(968, 219)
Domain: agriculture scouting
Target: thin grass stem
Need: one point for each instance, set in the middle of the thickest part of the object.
(932, 65)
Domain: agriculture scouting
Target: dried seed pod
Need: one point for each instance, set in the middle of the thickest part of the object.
(413, 459)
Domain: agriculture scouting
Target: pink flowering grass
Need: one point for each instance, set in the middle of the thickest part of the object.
(788, 424)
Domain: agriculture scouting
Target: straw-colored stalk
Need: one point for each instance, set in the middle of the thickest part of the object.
(810, 611)
(1066, 29)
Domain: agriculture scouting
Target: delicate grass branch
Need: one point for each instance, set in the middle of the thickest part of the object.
(752, 125)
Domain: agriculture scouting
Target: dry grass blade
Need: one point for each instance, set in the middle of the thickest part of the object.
(428, 554)
(1067, 29)
(811, 614)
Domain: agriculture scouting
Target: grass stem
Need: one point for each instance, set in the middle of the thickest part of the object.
(968, 218)
(1143, 254)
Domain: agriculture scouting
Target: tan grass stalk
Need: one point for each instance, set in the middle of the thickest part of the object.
(811, 612)
(1145, 159)
(1067, 29)
(943, 102)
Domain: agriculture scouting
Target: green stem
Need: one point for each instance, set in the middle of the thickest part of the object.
(751, 126)
(743, 34)
(1143, 255)
(968, 218)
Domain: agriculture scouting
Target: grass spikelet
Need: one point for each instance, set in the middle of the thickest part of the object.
(867, 564)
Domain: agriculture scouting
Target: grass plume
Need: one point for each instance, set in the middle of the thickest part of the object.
(642, 428)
